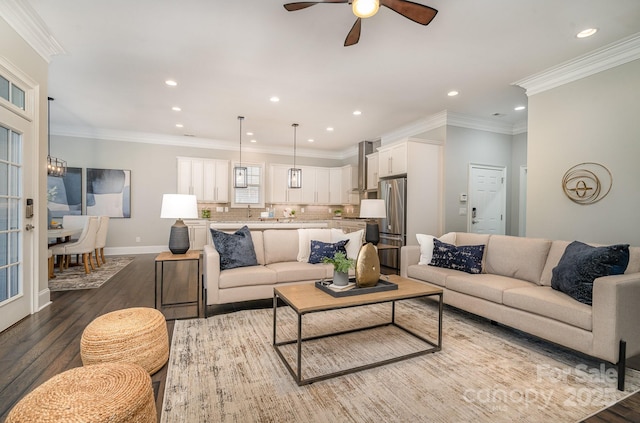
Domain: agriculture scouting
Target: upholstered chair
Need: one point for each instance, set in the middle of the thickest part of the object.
(85, 245)
(101, 239)
(74, 221)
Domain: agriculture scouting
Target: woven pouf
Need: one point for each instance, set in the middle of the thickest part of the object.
(133, 335)
(109, 392)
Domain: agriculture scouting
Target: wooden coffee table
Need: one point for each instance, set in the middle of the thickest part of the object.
(306, 298)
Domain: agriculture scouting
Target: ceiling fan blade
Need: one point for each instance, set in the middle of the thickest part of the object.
(416, 12)
(354, 35)
(292, 7)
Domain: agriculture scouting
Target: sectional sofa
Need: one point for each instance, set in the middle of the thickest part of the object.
(514, 289)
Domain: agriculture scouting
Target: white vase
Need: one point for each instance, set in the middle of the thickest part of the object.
(340, 279)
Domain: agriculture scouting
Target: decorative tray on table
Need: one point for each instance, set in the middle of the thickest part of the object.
(351, 289)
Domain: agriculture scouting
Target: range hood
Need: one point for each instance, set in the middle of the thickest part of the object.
(364, 148)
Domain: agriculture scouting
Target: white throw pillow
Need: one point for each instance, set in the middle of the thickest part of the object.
(449, 238)
(355, 238)
(304, 241)
(426, 248)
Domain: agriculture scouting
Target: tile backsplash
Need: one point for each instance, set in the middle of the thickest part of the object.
(302, 212)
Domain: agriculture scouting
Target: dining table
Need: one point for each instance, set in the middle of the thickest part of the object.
(62, 235)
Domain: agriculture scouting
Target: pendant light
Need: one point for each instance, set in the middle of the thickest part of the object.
(240, 172)
(55, 166)
(294, 179)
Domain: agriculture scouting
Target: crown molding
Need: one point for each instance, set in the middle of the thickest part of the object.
(412, 129)
(607, 57)
(480, 124)
(29, 25)
(102, 134)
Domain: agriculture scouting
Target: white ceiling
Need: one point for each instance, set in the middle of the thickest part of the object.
(230, 56)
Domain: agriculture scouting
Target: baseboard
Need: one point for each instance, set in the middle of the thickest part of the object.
(147, 249)
(44, 299)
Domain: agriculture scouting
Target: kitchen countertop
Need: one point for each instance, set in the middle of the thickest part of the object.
(270, 225)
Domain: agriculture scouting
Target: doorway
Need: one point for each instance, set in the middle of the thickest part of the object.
(487, 200)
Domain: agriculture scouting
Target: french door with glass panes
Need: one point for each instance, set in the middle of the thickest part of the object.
(16, 283)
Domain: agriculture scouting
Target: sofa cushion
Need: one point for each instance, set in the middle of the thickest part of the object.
(294, 271)
(555, 253)
(545, 301)
(280, 245)
(236, 249)
(468, 238)
(581, 264)
(321, 250)
(247, 276)
(516, 257)
(467, 258)
(430, 274)
(304, 241)
(356, 239)
(485, 286)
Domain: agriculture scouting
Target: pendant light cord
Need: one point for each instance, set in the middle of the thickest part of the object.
(295, 127)
(240, 118)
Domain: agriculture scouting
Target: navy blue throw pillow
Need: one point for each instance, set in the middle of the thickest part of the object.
(320, 250)
(581, 264)
(236, 250)
(467, 258)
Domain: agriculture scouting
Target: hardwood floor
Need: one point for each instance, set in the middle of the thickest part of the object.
(48, 343)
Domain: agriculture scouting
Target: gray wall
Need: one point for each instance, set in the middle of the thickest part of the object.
(595, 119)
(153, 173)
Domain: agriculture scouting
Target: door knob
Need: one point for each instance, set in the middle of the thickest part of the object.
(29, 226)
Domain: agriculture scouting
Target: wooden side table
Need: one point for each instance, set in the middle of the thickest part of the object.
(178, 291)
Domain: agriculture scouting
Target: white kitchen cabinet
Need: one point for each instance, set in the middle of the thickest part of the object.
(197, 233)
(207, 179)
(372, 171)
(279, 191)
(335, 185)
(349, 185)
(315, 185)
(392, 160)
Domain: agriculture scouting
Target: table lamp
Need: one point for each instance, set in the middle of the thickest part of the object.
(372, 209)
(179, 206)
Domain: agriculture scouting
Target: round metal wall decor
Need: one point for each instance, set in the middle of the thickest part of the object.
(587, 183)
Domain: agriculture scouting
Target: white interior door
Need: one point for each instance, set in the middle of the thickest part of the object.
(487, 200)
(16, 277)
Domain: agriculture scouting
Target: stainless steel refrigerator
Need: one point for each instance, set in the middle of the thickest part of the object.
(393, 228)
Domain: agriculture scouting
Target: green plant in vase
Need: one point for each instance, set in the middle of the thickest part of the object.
(341, 265)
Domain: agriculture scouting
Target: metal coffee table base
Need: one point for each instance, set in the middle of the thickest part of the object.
(297, 374)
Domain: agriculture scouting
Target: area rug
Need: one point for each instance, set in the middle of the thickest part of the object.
(75, 278)
(224, 369)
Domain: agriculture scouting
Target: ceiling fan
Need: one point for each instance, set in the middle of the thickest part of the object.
(366, 8)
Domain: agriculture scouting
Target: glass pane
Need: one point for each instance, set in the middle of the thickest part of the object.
(4, 143)
(4, 253)
(4, 88)
(4, 214)
(17, 96)
(14, 209)
(16, 174)
(16, 148)
(14, 249)
(4, 176)
(15, 287)
(4, 288)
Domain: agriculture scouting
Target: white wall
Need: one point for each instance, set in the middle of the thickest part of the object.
(595, 119)
(518, 159)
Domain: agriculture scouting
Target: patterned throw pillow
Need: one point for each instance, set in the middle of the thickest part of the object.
(236, 250)
(467, 258)
(320, 250)
(581, 264)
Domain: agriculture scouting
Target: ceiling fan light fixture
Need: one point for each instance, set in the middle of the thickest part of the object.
(365, 8)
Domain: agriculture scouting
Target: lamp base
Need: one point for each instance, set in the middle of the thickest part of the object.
(179, 238)
(372, 233)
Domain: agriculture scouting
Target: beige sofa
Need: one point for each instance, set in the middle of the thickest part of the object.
(278, 253)
(515, 289)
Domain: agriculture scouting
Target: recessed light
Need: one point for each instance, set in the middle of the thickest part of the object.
(176, 109)
(179, 125)
(452, 93)
(249, 134)
(357, 113)
(311, 140)
(518, 108)
(254, 141)
(329, 129)
(274, 99)
(171, 82)
(587, 32)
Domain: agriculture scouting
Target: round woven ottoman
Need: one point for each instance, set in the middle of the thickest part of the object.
(133, 335)
(109, 392)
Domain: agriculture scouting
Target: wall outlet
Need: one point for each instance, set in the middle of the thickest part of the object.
(138, 239)
(462, 211)
(302, 210)
(329, 211)
(219, 209)
(226, 209)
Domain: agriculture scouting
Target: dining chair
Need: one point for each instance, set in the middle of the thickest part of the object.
(74, 221)
(85, 245)
(101, 239)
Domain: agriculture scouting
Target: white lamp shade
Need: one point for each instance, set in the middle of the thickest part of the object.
(179, 206)
(373, 209)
